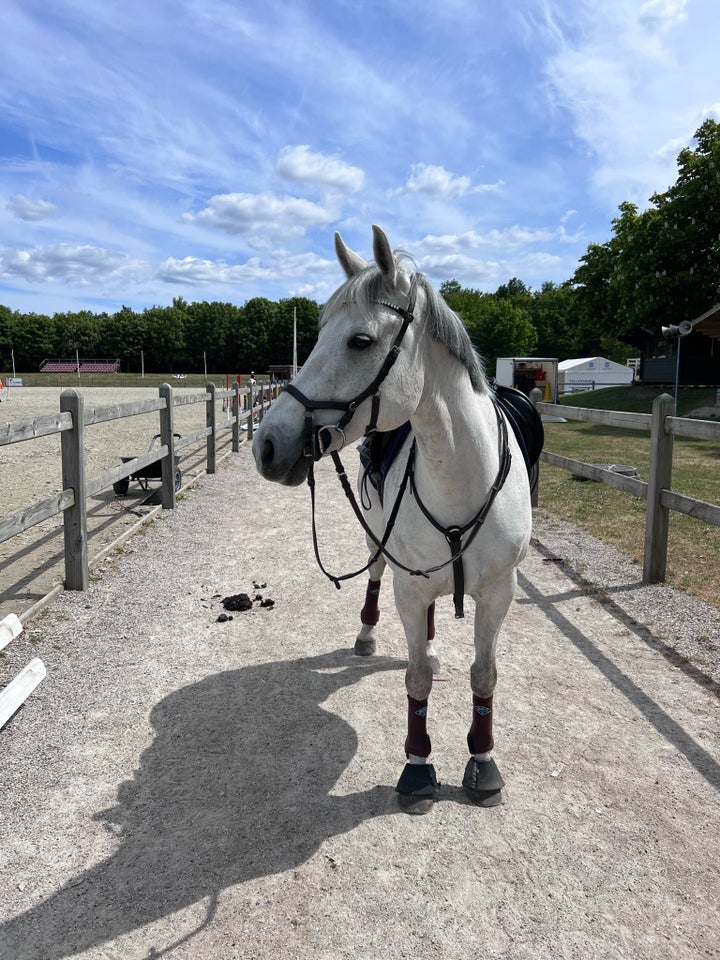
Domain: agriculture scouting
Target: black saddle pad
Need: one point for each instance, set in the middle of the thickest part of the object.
(525, 422)
(378, 452)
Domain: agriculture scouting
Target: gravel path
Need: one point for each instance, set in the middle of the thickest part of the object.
(200, 789)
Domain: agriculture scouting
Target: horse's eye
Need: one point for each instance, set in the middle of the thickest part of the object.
(360, 341)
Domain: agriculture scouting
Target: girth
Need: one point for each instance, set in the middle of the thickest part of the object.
(454, 533)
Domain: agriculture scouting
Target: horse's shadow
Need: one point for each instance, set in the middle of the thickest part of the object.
(235, 785)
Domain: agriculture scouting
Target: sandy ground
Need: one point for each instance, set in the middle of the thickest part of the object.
(32, 562)
(183, 787)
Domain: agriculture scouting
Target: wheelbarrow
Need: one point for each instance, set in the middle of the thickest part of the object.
(153, 471)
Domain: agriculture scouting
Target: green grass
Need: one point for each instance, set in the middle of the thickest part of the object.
(619, 518)
(639, 399)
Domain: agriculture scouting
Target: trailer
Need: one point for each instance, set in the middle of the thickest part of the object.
(526, 373)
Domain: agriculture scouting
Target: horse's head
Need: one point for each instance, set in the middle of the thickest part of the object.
(362, 374)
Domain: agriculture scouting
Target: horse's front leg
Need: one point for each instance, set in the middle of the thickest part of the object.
(417, 786)
(482, 780)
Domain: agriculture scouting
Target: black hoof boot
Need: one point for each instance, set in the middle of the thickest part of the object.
(417, 788)
(483, 782)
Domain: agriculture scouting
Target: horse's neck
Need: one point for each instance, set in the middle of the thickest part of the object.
(456, 433)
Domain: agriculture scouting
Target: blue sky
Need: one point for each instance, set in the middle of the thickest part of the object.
(210, 148)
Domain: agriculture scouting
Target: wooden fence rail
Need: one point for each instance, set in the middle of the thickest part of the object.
(71, 422)
(660, 498)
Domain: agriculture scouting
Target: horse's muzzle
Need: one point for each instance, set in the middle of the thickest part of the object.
(291, 471)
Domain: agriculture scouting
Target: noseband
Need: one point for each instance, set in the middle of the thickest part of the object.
(321, 440)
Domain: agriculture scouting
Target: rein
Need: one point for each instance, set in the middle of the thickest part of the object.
(453, 534)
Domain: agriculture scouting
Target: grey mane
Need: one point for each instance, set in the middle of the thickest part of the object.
(365, 289)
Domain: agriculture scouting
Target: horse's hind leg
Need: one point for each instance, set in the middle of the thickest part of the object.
(370, 613)
(482, 781)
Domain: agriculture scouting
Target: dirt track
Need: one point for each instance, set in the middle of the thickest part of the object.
(182, 786)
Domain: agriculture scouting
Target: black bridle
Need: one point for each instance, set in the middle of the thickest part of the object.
(319, 441)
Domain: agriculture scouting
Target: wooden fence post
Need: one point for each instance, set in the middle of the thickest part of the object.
(236, 419)
(210, 422)
(251, 403)
(657, 516)
(72, 450)
(167, 438)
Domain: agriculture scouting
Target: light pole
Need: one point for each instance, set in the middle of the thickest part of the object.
(677, 332)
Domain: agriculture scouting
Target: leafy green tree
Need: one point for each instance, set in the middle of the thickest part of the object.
(124, 338)
(252, 347)
(5, 344)
(209, 328)
(662, 265)
(308, 314)
(467, 303)
(77, 331)
(554, 315)
(164, 337)
(502, 330)
(32, 337)
(517, 291)
(498, 326)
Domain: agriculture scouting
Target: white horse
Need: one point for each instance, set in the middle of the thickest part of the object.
(454, 516)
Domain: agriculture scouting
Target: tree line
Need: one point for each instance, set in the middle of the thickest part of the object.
(660, 266)
(183, 337)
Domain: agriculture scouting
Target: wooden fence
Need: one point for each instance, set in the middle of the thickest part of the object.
(72, 420)
(662, 426)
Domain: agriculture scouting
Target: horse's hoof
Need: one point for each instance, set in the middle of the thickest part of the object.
(434, 665)
(417, 788)
(415, 806)
(364, 647)
(484, 798)
(483, 782)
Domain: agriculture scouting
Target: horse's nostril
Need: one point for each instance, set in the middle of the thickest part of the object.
(268, 453)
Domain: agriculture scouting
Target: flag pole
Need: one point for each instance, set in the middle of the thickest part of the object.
(294, 363)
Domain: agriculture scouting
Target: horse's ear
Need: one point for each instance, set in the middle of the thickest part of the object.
(384, 257)
(351, 263)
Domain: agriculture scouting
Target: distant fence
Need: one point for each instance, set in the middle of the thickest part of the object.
(663, 426)
(580, 386)
(71, 421)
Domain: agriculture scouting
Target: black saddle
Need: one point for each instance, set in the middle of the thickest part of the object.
(525, 422)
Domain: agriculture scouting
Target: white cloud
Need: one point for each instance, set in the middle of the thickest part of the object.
(489, 273)
(628, 78)
(251, 212)
(25, 208)
(82, 265)
(506, 239)
(198, 272)
(663, 14)
(302, 165)
(436, 181)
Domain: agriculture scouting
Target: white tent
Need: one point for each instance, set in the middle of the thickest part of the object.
(591, 373)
